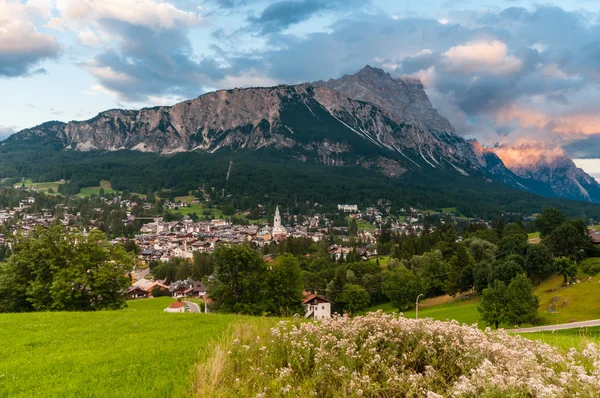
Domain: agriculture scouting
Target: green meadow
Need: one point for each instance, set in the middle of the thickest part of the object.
(139, 351)
(575, 303)
(89, 191)
(43, 186)
(567, 339)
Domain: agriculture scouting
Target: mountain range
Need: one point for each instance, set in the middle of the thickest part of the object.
(369, 119)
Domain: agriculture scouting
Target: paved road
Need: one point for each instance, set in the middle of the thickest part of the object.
(561, 326)
(193, 307)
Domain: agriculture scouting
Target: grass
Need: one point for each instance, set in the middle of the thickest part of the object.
(138, 351)
(463, 311)
(89, 191)
(43, 186)
(362, 225)
(567, 339)
(575, 303)
(534, 237)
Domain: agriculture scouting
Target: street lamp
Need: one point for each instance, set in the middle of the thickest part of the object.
(417, 304)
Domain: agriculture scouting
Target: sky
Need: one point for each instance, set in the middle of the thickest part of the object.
(520, 76)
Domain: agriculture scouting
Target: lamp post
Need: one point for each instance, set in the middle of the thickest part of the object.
(417, 306)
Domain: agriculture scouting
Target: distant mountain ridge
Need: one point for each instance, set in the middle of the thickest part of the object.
(369, 119)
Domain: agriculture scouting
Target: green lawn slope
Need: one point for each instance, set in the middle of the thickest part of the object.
(579, 302)
(140, 351)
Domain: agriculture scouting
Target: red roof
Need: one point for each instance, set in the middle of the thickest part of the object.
(177, 304)
(315, 296)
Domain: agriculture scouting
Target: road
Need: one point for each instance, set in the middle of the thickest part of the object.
(561, 326)
(193, 307)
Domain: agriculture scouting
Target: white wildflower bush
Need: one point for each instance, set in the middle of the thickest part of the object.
(381, 355)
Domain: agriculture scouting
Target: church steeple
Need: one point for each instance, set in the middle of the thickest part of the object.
(277, 228)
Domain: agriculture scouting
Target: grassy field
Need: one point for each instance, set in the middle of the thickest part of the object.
(89, 191)
(579, 302)
(139, 351)
(567, 339)
(43, 186)
(534, 237)
(463, 311)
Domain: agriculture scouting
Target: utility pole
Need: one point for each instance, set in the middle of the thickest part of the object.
(417, 307)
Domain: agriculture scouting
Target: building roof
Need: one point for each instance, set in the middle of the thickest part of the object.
(315, 296)
(177, 304)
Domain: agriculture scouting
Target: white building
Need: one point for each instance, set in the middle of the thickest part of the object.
(317, 307)
(348, 208)
(278, 229)
(177, 306)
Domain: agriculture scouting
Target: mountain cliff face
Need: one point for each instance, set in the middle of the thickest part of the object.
(368, 119)
(563, 177)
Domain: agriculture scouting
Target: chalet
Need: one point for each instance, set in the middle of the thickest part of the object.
(317, 307)
(187, 288)
(135, 292)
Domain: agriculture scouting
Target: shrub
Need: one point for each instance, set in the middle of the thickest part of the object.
(591, 266)
(382, 355)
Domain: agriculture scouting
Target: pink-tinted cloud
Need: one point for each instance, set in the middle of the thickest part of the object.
(571, 126)
(482, 56)
(527, 154)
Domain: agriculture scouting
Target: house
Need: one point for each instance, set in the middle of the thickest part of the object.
(317, 307)
(187, 288)
(135, 292)
(595, 235)
(177, 306)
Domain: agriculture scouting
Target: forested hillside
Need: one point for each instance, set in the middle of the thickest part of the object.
(270, 176)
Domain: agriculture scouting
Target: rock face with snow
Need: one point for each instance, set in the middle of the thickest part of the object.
(368, 119)
(563, 177)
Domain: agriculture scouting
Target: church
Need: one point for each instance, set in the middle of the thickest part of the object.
(278, 229)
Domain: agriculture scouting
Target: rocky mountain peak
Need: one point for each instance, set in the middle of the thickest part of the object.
(404, 99)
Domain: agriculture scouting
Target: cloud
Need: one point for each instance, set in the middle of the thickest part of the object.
(282, 14)
(148, 13)
(22, 47)
(527, 154)
(6, 131)
(482, 57)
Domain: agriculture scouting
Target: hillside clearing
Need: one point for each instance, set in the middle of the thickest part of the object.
(89, 191)
(43, 186)
(138, 351)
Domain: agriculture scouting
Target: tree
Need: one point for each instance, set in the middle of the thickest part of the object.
(492, 306)
(548, 221)
(522, 304)
(460, 260)
(566, 267)
(238, 280)
(538, 261)
(568, 240)
(57, 270)
(399, 286)
(284, 286)
(505, 271)
(354, 298)
(513, 244)
(202, 266)
(481, 276)
(512, 229)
